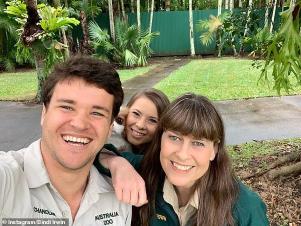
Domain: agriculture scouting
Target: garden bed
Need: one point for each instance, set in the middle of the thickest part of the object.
(282, 195)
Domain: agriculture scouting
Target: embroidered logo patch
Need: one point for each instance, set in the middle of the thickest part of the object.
(106, 218)
(43, 211)
(161, 217)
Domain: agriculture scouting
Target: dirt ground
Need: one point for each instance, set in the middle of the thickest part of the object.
(282, 195)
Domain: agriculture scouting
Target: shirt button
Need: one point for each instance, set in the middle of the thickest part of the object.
(64, 213)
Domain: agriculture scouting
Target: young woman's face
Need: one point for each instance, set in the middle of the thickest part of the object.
(142, 121)
(185, 159)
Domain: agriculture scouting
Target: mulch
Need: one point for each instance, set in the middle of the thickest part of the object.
(282, 195)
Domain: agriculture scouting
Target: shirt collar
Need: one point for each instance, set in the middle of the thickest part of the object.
(34, 167)
(37, 175)
(170, 196)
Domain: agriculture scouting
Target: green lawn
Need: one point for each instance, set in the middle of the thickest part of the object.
(218, 79)
(127, 74)
(23, 85)
(18, 86)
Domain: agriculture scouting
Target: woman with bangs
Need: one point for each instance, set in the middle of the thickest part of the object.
(187, 172)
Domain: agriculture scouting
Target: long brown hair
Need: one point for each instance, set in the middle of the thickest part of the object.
(159, 99)
(217, 189)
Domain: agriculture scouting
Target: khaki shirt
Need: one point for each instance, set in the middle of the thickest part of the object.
(26, 192)
(184, 213)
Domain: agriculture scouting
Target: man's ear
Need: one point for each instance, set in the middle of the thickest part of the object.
(43, 115)
(111, 129)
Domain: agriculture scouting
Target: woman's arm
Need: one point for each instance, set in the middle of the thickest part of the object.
(128, 184)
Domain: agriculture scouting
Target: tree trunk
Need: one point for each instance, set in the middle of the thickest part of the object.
(266, 15)
(240, 3)
(273, 16)
(231, 5)
(84, 24)
(191, 35)
(122, 10)
(151, 16)
(111, 16)
(219, 7)
(138, 15)
(132, 6)
(32, 29)
(226, 4)
(292, 3)
(167, 5)
(29, 37)
(41, 75)
(219, 45)
(250, 8)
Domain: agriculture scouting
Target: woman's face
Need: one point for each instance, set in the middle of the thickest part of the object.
(142, 121)
(185, 159)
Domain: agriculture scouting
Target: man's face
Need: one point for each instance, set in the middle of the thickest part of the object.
(76, 124)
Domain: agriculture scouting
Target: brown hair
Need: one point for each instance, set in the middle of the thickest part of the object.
(217, 189)
(159, 99)
(92, 71)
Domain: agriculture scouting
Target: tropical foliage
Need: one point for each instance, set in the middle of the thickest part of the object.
(227, 30)
(44, 44)
(284, 52)
(131, 47)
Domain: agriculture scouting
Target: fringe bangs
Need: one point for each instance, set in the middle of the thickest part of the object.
(190, 117)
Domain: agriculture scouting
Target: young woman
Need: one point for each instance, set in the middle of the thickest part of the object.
(188, 175)
(141, 118)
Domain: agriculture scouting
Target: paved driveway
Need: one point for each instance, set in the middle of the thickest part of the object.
(245, 120)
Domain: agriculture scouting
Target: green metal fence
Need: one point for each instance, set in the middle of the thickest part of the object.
(173, 27)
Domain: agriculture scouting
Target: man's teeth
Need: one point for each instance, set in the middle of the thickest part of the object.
(181, 167)
(81, 140)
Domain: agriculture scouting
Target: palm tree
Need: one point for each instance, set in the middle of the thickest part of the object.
(84, 25)
(131, 47)
(213, 28)
(39, 32)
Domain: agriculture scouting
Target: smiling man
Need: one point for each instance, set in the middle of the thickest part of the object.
(54, 176)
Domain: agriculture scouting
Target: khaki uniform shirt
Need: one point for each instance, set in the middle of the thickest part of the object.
(26, 192)
(184, 213)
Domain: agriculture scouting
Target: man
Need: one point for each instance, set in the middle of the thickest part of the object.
(54, 176)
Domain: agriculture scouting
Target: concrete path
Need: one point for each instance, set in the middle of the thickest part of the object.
(245, 120)
(152, 77)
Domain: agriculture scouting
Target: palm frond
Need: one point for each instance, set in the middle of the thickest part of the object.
(130, 58)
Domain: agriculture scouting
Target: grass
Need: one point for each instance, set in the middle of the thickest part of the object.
(127, 74)
(20, 86)
(218, 79)
(242, 154)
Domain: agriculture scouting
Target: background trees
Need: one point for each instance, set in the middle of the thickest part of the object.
(38, 31)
